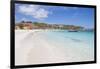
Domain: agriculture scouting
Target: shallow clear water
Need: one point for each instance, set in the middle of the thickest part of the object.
(61, 37)
(79, 45)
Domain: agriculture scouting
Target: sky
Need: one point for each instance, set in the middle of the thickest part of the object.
(78, 16)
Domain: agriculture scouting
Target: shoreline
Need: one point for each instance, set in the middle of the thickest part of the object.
(32, 48)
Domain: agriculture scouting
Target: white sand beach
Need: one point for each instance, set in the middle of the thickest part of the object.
(32, 48)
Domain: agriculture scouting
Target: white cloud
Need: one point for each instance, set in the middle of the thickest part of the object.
(28, 9)
(41, 13)
(35, 11)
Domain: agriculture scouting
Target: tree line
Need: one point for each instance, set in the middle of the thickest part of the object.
(38, 25)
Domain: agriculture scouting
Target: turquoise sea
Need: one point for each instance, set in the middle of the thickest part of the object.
(79, 45)
(75, 37)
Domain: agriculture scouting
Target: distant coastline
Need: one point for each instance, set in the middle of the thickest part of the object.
(28, 25)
